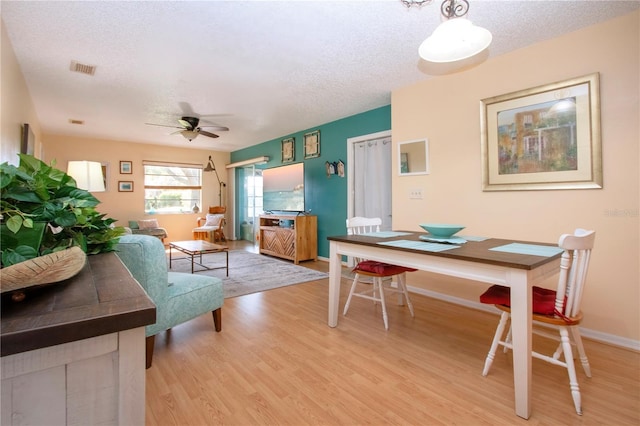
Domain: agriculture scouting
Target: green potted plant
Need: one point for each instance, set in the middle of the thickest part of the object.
(37, 197)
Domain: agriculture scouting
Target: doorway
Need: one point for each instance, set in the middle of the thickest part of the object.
(369, 177)
(251, 203)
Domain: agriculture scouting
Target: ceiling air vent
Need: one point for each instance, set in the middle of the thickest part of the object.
(74, 121)
(83, 68)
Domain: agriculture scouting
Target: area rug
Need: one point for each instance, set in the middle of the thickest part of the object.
(249, 272)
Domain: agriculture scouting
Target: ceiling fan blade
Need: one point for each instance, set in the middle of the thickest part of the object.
(217, 128)
(163, 125)
(205, 133)
(185, 124)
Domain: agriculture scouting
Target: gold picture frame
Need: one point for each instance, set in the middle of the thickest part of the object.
(546, 137)
(312, 144)
(288, 150)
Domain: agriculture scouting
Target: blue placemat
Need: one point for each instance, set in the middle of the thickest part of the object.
(419, 245)
(386, 234)
(532, 249)
(472, 238)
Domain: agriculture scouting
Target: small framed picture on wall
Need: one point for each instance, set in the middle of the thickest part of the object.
(312, 144)
(125, 186)
(288, 150)
(126, 168)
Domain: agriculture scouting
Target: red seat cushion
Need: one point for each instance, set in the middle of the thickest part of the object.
(544, 300)
(381, 268)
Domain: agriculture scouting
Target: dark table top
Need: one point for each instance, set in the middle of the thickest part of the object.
(102, 298)
(473, 251)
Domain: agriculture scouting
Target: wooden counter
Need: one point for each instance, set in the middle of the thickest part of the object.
(73, 352)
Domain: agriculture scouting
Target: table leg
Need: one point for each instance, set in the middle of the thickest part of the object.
(170, 247)
(227, 252)
(521, 305)
(335, 270)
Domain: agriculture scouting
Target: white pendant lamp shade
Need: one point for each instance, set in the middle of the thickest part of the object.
(87, 174)
(454, 40)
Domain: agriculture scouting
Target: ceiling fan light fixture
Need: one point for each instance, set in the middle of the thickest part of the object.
(456, 38)
(189, 134)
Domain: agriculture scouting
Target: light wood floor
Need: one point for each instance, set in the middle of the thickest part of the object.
(276, 362)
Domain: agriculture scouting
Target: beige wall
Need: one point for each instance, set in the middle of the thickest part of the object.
(126, 206)
(446, 110)
(15, 103)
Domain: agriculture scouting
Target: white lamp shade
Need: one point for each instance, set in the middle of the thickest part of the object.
(455, 40)
(87, 174)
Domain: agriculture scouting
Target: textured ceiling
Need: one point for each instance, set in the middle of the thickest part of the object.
(262, 68)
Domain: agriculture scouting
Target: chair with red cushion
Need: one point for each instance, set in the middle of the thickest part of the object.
(559, 309)
(379, 272)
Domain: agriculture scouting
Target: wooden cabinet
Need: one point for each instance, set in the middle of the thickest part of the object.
(73, 353)
(293, 237)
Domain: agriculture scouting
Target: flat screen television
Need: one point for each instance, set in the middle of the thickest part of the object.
(283, 188)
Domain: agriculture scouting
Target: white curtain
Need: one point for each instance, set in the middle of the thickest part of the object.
(372, 180)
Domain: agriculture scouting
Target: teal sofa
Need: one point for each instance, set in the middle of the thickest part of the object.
(179, 297)
(155, 232)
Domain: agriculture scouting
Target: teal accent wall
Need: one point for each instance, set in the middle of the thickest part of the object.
(325, 197)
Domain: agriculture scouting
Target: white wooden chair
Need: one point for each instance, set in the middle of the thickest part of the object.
(560, 310)
(377, 271)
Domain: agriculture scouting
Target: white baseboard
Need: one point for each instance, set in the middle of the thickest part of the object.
(598, 336)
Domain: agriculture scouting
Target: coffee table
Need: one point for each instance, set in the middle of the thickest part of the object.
(194, 248)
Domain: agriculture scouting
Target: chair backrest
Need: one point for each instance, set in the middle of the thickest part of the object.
(146, 259)
(217, 209)
(362, 225)
(573, 270)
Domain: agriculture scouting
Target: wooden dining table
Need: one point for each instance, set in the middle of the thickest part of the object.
(478, 259)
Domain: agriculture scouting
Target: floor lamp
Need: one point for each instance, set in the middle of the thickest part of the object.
(211, 167)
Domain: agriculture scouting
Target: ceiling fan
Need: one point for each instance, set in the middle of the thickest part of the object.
(189, 128)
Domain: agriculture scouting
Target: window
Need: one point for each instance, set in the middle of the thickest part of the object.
(171, 188)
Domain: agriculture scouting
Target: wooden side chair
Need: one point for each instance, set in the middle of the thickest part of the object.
(379, 272)
(559, 309)
(211, 227)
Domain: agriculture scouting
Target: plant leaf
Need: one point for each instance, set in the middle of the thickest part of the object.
(14, 223)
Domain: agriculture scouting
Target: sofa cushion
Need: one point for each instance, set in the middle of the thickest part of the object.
(213, 219)
(205, 229)
(544, 299)
(381, 268)
(192, 295)
(148, 224)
